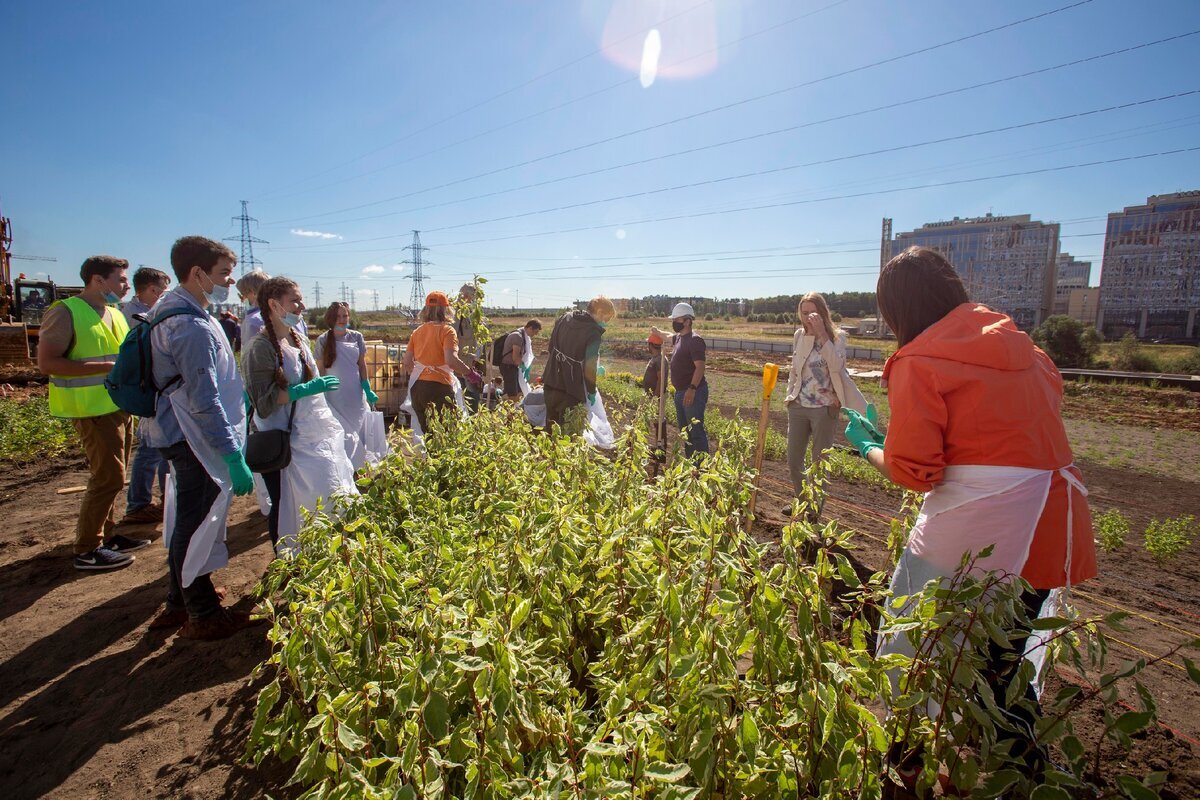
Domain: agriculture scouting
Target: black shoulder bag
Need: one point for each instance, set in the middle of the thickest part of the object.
(270, 451)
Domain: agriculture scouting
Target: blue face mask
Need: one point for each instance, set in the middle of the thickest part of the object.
(340, 328)
(218, 295)
(291, 320)
(112, 298)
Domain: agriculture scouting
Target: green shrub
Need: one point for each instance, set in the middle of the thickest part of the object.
(1068, 342)
(1131, 357)
(1168, 538)
(28, 432)
(1111, 529)
(519, 616)
(1188, 364)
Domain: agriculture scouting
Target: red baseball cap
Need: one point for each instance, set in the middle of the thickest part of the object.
(654, 339)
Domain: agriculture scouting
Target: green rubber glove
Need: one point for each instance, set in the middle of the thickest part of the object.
(861, 432)
(239, 473)
(591, 396)
(372, 398)
(601, 371)
(325, 383)
(525, 371)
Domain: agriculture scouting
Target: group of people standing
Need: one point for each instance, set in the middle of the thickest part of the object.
(200, 425)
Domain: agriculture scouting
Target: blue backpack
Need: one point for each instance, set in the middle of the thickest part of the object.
(130, 384)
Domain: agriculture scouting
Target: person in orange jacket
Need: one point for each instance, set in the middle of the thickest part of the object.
(976, 425)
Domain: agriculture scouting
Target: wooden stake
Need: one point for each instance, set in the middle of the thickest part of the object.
(770, 376)
(660, 436)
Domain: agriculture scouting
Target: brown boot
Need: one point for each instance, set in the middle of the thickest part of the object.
(172, 618)
(146, 515)
(219, 625)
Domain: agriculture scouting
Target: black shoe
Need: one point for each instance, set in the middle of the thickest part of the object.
(125, 544)
(102, 558)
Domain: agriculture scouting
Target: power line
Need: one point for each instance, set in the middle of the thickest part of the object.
(791, 167)
(713, 110)
(737, 140)
(895, 190)
(560, 106)
(819, 162)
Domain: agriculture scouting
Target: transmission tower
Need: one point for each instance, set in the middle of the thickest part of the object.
(345, 294)
(418, 264)
(317, 294)
(375, 297)
(247, 240)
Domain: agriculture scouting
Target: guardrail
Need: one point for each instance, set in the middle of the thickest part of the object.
(1189, 382)
(725, 345)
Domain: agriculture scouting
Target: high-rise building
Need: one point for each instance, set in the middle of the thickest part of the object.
(1150, 281)
(1069, 274)
(1006, 263)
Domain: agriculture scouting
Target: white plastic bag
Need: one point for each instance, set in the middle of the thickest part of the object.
(375, 437)
(599, 432)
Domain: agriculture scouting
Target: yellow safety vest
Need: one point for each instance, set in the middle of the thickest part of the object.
(76, 397)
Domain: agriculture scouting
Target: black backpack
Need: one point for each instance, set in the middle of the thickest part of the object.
(130, 384)
(498, 348)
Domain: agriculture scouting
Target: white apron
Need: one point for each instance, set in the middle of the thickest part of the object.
(348, 402)
(972, 508)
(319, 469)
(418, 435)
(207, 551)
(526, 362)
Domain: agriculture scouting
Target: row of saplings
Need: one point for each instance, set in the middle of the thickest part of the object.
(519, 615)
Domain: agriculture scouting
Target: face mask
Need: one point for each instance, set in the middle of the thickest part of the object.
(603, 325)
(291, 320)
(677, 325)
(218, 294)
(112, 298)
(340, 328)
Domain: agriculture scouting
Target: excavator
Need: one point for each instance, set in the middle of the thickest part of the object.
(23, 302)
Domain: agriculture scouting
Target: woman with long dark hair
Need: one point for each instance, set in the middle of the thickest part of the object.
(975, 425)
(342, 353)
(288, 394)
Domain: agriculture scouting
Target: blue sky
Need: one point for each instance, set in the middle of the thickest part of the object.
(130, 124)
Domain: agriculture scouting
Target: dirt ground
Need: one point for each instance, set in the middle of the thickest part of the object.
(95, 705)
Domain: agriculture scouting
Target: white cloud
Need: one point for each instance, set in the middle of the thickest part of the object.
(314, 234)
(398, 267)
(374, 269)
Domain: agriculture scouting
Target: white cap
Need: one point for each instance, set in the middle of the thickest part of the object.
(682, 310)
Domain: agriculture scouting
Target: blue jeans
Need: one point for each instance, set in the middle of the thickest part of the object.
(147, 463)
(696, 437)
(195, 493)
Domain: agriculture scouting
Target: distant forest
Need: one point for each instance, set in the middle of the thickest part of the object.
(845, 304)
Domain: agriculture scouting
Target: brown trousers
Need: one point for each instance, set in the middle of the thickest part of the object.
(106, 442)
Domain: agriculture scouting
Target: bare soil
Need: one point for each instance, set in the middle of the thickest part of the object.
(92, 703)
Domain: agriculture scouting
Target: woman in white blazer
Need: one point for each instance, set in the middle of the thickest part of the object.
(818, 386)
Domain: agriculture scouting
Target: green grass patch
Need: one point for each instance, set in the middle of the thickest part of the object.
(28, 432)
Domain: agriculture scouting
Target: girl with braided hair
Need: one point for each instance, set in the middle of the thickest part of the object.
(287, 393)
(342, 353)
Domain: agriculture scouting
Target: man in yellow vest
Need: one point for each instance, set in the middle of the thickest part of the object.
(77, 346)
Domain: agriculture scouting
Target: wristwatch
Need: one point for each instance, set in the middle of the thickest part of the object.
(693, 386)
